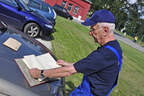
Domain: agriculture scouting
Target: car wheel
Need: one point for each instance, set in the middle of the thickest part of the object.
(32, 29)
(69, 18)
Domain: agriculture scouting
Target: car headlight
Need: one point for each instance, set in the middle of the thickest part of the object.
(49, 26)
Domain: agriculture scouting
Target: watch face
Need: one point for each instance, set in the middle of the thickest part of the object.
(42, 73)
(42, 77)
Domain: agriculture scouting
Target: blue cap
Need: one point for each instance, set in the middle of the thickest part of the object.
(100, 16)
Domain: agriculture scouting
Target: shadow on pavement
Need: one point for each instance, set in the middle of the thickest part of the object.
(47, 38)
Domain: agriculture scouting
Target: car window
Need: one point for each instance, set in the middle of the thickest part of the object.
(64, 10)
(35, 4)
(69, 7)
(45, 8)
(76, 10)
(63, 4)
(26, 2)
(10, 2)
(25, 6)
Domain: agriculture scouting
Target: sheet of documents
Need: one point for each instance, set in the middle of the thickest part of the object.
(44, 61)
(12, 43)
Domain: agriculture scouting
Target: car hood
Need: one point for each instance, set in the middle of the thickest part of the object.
(10, 71)
(42, 17)
(48, 15)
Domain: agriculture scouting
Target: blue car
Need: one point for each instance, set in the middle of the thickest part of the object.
(18, 15)
(42, 8)
(12, 81)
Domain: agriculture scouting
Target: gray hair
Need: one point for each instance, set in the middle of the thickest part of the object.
(110, 25)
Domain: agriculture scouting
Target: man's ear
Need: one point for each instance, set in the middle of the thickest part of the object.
(106, 29)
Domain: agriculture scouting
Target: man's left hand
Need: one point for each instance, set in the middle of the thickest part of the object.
(35, 73)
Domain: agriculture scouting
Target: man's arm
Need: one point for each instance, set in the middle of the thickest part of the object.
(60, 72)
(67, 70)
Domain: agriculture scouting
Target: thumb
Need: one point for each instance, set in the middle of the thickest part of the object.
(60, 61)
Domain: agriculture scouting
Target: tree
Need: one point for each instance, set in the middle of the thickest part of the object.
(126, 14)
(116, 7)
(134, 20)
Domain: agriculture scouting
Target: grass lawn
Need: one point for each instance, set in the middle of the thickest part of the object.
(72, 42)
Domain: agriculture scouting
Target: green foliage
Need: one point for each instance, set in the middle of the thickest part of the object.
(116, 7)
(127, 15)
(72, 42)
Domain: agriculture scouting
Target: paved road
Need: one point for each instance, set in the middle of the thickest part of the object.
(129, 42)
(47, 42)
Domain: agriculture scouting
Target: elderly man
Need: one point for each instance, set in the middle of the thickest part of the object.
(100, 68)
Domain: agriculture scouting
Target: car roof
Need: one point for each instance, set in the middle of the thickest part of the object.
(56, 5)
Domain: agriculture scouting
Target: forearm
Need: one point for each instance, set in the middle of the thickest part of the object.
(60, 72)
(67, 69)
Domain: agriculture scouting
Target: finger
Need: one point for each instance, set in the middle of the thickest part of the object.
(34, 72)
(60, 61)
(31, 72)
(62, 64)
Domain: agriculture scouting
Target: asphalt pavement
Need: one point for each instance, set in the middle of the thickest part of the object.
(47, 42)
(129, 42)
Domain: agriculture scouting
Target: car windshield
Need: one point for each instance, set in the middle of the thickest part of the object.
(26, 1)
(46, 8)
(23, 2)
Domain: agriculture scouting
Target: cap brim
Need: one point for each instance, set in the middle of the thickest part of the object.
(88, 22)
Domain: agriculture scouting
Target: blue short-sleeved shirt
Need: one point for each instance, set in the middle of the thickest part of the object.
(101, 68)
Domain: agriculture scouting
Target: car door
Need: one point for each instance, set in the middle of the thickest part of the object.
(10, 14)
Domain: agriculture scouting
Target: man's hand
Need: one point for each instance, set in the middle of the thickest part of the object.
(63, 63)
(35, 73)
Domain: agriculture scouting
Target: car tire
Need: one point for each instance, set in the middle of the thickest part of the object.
(69, 18)
(32, 29)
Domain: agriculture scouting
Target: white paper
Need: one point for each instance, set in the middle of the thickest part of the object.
(47, 61)
(42, 62)
(12, 43)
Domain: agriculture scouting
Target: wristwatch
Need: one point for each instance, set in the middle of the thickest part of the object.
(42, 74)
